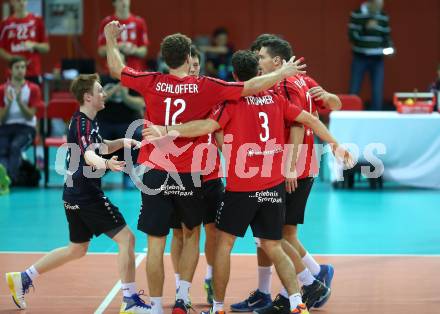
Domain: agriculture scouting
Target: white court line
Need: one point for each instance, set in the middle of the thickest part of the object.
(111, 295)
(246, 254)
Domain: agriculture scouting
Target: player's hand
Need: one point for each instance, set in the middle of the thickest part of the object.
(131, 143)
(292, 67)
(343, 155)
(9, 97)
(291, 185)
(318, 93)
(29, 45)
(112, 30)
(154, 132)
(114, 164)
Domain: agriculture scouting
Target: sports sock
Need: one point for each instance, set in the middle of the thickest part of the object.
(264, 279)
(311, 264)
(208, 275)
(183, 292)
(305, 277)
(177, 276)
(295, 300)
(32, 272)
(128, 289)
(217, 306)
(156, 305)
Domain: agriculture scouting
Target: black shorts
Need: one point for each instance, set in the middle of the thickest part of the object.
(169, 202)
(213, 191)
(93, 219)
(296, 202)
(264, 211)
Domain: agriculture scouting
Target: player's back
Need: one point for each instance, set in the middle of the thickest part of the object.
(256, 124)
(173, 100)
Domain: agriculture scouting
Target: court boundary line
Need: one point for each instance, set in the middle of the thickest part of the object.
(116, 288)
(244, 254)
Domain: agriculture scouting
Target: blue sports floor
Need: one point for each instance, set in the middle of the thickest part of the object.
(395, 220)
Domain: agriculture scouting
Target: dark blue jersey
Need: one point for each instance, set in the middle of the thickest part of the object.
(83, 182)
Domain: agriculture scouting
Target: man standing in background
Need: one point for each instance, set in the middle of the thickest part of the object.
(23, 34)
(369, 34)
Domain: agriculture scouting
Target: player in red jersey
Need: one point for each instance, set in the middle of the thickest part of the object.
(24, 34)
(255, 190)
(133, 41)
(305, 92)
(168, 183)
(213, 191)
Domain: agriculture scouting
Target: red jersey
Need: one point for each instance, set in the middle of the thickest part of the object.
(254, 160)
(211, 166)
(172, 100)
(14, 32)
(135, 32)
(296, 88)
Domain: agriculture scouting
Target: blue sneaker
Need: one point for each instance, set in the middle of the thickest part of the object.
(256, 300)
(19, 284)
(325, 276)
(134, 305)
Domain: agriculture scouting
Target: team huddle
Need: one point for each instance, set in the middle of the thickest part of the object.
(256, 133)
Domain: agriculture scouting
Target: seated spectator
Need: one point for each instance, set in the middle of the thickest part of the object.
(218, 55)
(19, 99)
(122, 107)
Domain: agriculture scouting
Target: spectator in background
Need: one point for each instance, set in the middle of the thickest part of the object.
(24, 34)
(218, 56)
(133, 41)
(18, 101)
(369, 34)
(435, 87)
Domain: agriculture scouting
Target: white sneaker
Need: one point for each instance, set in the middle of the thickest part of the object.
(18, 288)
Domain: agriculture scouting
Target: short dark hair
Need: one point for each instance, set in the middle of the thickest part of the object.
(16, 59)
(278, 48)
(82, 84)
(175, 49)
(219, 31)
(195, 52)
(256, 45)
(245, 64)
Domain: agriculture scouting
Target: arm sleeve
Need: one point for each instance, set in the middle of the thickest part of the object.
(138, 81)
(143, 38)
(222, 90)
(35, 96)
(83, 129)
(291, 111)
(220, 113)
(42, 32)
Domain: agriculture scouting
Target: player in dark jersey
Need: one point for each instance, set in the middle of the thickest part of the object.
(212, 193)
(255, 189)
(89, 212)
(172, 99)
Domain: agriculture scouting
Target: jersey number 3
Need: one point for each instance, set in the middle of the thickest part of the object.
(180, 104)
(264, 136)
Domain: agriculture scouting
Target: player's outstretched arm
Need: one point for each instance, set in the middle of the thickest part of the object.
(324, 134)
(189, 129)
(92, 159)
(114, 59)
(112, 146)
(264, 82)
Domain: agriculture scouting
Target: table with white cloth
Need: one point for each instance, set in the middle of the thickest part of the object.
(411, 142)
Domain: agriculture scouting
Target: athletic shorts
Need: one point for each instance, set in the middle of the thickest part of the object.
(296, 202)
(169, 201)
(264, 211)
(213, 191)
(85, 221)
